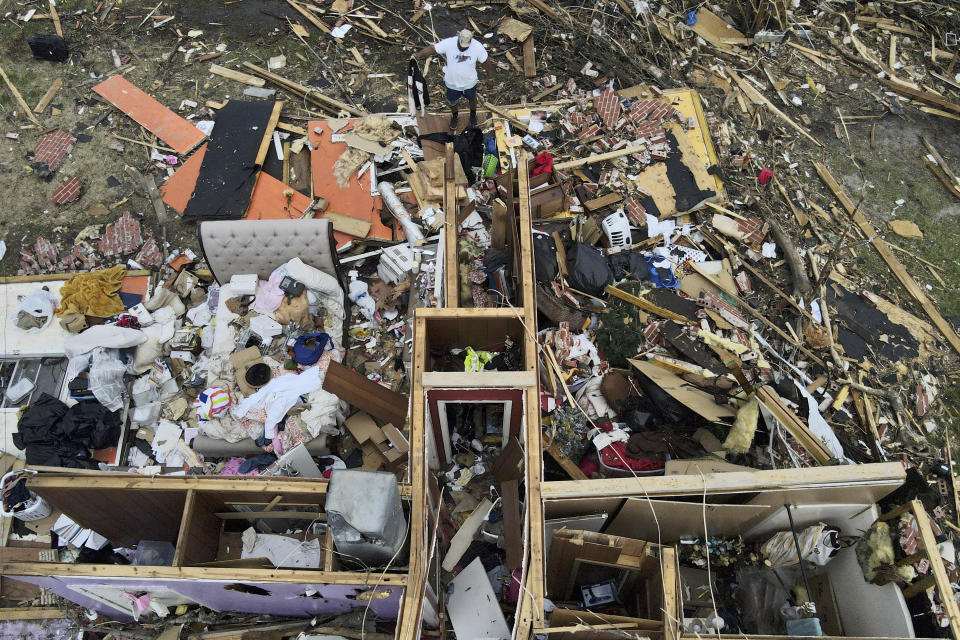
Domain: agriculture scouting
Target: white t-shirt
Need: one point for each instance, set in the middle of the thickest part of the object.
(461, 70)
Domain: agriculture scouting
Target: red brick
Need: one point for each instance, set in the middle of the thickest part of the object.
(608, 107)
(149, 254)
(50, 152)
(68, 191)
(122, 237)
(635, 211)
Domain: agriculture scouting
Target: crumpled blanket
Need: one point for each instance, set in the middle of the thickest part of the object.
(93, 294)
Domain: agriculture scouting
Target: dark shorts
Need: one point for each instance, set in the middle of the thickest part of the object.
(453, 96)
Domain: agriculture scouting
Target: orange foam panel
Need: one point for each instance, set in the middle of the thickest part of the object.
(178, 133)
(354, 201)
(178, 189)
(268, 201)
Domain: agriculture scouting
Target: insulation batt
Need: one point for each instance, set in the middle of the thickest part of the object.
(744, 427)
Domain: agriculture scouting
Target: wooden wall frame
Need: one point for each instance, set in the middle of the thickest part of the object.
(512, 399)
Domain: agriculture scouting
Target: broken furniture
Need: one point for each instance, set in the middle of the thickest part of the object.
(260, 246)
(205, 518)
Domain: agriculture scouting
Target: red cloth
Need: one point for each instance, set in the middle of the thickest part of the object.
(615, 455)
(765, 175)
(543, 163)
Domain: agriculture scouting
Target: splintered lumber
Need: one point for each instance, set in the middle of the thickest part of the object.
(348, 224)
(610, 155)
(543, 6)
(239, 76)
(757, 314)
(312, 19)
(916, 94)
(309, 93)
(758, 98)
(898, 270)
(529, 58)
(647, 305)
(797, 428)
(504, 114)
(48, 96)
(19, 98)
(56, 19)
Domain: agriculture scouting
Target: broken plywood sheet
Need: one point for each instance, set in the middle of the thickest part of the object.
(515, 30)
(695, 285)
(714, 30)
(355, 200)
(176, 132)
(700, 402)
(473, 606)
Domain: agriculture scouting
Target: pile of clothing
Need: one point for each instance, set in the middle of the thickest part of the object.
(56, 435)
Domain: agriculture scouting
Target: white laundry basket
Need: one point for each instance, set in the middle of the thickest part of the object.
(37, 508)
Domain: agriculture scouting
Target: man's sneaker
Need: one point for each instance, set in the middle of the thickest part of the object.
(453, 121)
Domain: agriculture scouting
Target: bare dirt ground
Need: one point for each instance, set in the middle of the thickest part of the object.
(879, 159)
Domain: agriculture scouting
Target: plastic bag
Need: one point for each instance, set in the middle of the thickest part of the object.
(628, 266)
(544, 256)
(587, 269)
(818, 543)
(39, 304)
(106, 379)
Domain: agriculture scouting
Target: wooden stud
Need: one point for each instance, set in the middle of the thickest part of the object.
(451, 258)
(239, 76)
(19, 98)
(895, 266)
(48, 96)
(268, 134)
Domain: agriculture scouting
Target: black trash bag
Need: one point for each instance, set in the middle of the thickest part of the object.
(49, 47)
(629, 266)
(587, 269)
(544, 257)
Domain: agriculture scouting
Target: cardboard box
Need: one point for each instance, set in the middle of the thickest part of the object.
(378, 445)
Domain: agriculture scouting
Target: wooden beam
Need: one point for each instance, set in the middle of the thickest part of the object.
(267, 139)
(880, 478)
(531, 605)
(648, 306)
(758, 98)
(239, 76)
(294, 487)
(274, 515)
(203, 573)
(451, 260)
(56, 18)
(929, 542)
(31, 613)
(308, 93)
(311, 18)
(411, 606)
(600, 157)
(895, 266)
(48, 96)
(529, 58)
(19, 98)
(479, 380)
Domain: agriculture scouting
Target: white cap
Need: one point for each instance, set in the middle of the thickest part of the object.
(464, 38)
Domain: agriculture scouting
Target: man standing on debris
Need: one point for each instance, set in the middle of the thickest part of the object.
(462, 53)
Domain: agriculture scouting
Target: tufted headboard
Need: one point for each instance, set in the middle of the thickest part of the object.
(259, 246)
